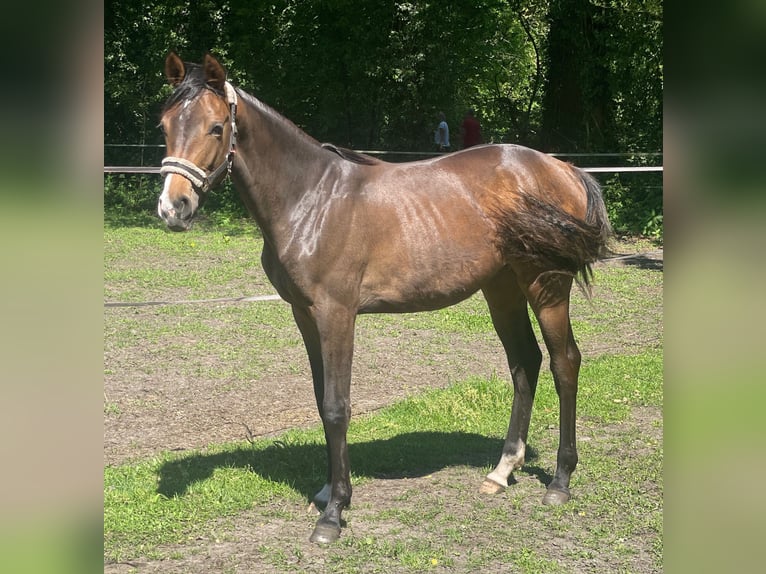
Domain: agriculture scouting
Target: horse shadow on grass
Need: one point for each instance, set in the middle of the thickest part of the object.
(644, 262)
(303, 466)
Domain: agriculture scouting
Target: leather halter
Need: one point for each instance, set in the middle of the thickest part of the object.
(199, 178)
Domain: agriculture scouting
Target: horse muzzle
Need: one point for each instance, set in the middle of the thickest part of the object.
(178, 224)
(177, 207)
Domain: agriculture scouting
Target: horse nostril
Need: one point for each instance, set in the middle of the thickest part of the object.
(182, 204)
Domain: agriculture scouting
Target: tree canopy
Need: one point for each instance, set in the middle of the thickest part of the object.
(558, 75)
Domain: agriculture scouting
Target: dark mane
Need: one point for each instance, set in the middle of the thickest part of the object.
(350, 155)
(194, 83)
(191, 86)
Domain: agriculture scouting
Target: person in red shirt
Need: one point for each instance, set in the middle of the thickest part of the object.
(470, 130)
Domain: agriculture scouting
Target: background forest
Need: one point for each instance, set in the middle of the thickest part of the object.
(564, 76)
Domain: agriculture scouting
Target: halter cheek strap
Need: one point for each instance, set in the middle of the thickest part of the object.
(199, 178)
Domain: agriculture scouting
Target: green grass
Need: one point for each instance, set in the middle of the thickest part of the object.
(174, 498)
(149, 264)
(214, 261)
(624, 305)
(152, 263)
(441, 442)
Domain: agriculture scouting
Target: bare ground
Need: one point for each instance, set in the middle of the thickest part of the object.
(146, 414)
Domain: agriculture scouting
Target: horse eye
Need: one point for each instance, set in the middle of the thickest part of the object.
(217, 130)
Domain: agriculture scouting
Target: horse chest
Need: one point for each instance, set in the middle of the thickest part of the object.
(285, 284)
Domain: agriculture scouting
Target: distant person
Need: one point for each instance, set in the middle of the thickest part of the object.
(470, 130)
(441, 135)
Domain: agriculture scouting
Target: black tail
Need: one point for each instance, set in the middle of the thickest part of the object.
(596, 214)
(541, 234)
(597, 217)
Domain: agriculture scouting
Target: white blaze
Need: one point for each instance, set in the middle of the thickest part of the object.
(164, 203)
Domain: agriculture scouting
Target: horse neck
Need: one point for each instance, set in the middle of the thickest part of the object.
(276, 165)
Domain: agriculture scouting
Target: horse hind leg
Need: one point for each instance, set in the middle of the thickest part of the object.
(508, 308)
(549, 299)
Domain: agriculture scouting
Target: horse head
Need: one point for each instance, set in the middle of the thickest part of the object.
(198, 122)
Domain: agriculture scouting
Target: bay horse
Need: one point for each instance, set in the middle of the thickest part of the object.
(345, 233)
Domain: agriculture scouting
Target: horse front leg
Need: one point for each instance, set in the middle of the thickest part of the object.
(310, 334)
(335, 327)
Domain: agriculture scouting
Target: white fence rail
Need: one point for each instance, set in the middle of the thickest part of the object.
(129, 169)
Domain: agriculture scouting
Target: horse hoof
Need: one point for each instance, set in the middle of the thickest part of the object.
(325, 534)
(491, 487)
(556, 497)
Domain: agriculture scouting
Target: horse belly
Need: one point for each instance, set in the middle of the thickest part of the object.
(430, 244)
(414, 280)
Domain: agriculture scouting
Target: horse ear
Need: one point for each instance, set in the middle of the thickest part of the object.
(215, 74)
(174, 69)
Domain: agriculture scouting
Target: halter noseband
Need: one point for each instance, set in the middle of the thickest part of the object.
(202, 181)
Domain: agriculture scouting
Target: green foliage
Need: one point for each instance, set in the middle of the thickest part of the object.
(634, 203)
(604, 79)
(131, 198)
(374, 73)
(131, 193)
